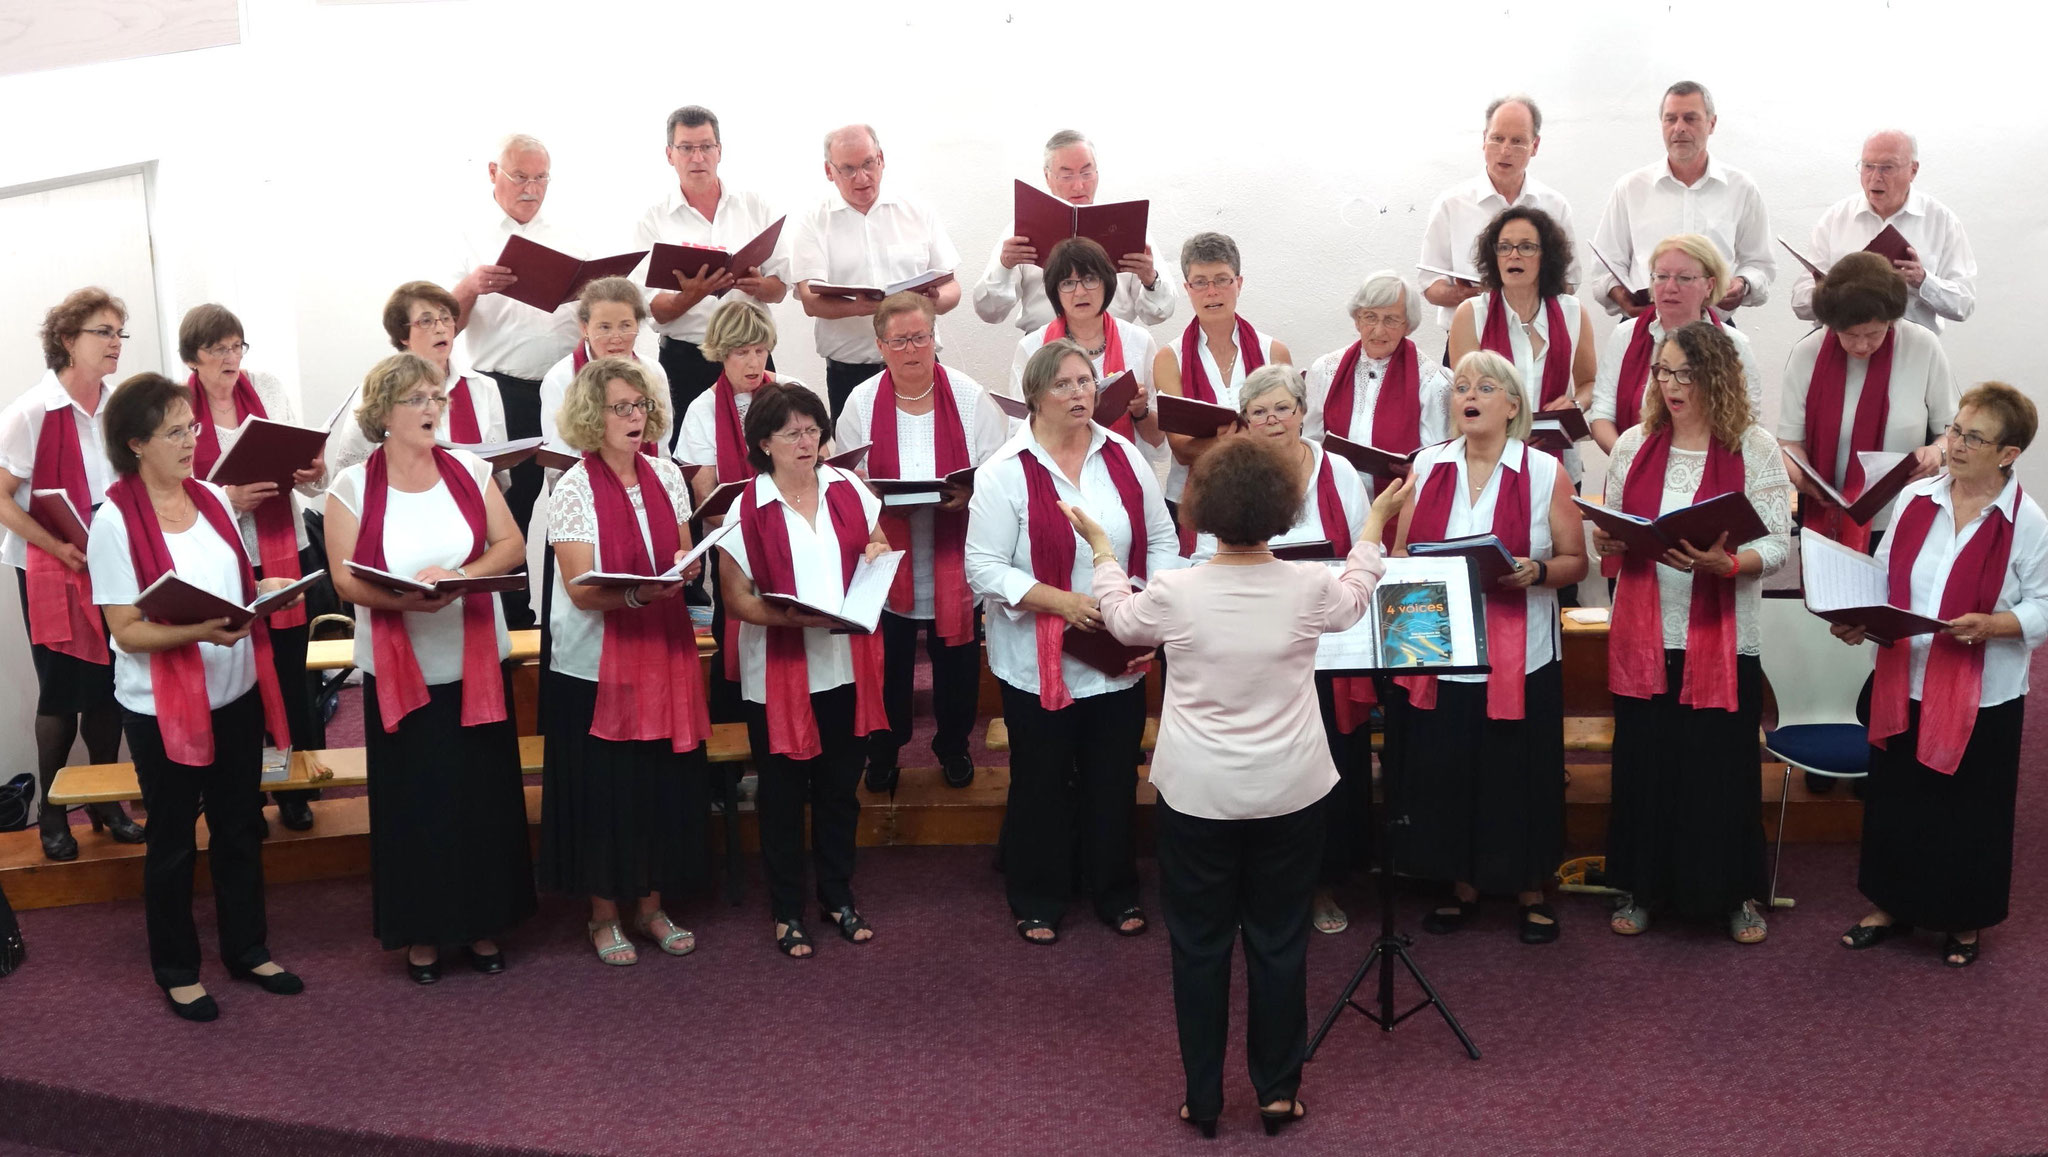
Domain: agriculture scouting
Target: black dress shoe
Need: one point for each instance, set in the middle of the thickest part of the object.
(958, 770)
(58, 842)
(202, 1010)
(1440, 921)
(428, 973)
(295, 814)
(114, 818)
(488, 965)
(12, 952)
(275, 983)
(882, 775)
(1535, 931)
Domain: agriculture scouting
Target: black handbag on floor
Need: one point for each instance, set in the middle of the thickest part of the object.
(15, 796)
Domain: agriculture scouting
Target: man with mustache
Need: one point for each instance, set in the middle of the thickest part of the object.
(1686, 192)
(1939, 269)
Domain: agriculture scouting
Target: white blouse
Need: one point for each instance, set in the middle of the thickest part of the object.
(1921, 401)
(21, 425)
(199, 556)
(278, 408)
(576, 635)
(1226, 392)
(1308, 525)
(422, 530)
(555, 387)
(999, 550)
(1435, 389)
(697, 440)
(1475, 516)
(985, 429)
(1607, 382)
(1769, 490)
(2024, 591)
(820, 578)
(346, 445)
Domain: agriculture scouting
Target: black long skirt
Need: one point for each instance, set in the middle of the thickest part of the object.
(1474, 799)
(1686, 833)
(618, 820)
(1937, 849)
(449, 860)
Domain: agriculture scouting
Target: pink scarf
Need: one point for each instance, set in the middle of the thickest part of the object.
(952, 602)
(61, 613)
(277, 535)
(1507, 611)
(1825, 392)
(1052, 555)
(649, 683)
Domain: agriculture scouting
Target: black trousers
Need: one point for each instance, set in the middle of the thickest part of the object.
(295, 685)
(173, 793)
(1215, 878)
(956, 686)
(521, 398)
(1347, 839)
(827, 783)
(841, 377)
(1073, 775)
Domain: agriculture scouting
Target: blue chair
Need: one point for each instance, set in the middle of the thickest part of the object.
(1816, 680)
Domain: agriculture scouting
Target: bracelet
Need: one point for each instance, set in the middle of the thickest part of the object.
(1542, 572)
(633, 598)
(1103, 558)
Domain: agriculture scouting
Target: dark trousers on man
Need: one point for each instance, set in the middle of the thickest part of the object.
(174, 795)
(1217, 877)
(1073, 775)
(828, 784)
(841, 377)
(521, 398)
(956, 687)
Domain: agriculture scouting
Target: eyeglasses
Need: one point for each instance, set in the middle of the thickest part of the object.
(434, 322)
(226, 351)
(521, 179)
(181, 435)
(1077, 284)
(871, 166)
(422, 401)
(628, 409)
(1372, 320)
(1870, 170)
(1516, 249)
(1682, 375)
(1681, 280)
(792, 437)
(1204, 284)
(622, 329)
(1969, 440)
(1507, 144)
(108, 333)
(1070, 387)
(1279, 412)
(1483, 389)
(919, 340)
(696, 150)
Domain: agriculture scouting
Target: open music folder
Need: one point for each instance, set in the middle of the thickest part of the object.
(1178, 415)
(548, 277)
(1382, 464)
(1885, 473)
(448, 586)
(1849, 587)
(1641, 297)
(1700, 524)
(174, 602)
(1045, 220)
(267, 451)
(929, 279)
(674, 574)
(860, 609)
(1489, 557)
(53, 509)
(920, 491)
(1113, 398)
(666, 262)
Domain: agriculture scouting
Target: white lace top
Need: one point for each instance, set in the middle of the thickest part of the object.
(578, 634)
(1769, 490)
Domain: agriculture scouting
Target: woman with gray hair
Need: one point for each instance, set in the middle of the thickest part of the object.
(1074, 725)
(1377, 390)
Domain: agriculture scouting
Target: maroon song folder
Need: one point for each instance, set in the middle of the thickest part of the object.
(927, 280)
(1046, 220)
(174, 602)
(53, 509)
(1383, 464)
(667, 261)
(1178, 415)
(1100, 650)
(1113, 397)
(1889, 244)
(549, 277)
(1699, 524)
(267, 451)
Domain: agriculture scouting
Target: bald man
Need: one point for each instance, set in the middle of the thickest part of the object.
(1512, 134)
(1939, 269)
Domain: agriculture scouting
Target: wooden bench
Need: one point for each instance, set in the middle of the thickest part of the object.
(340, 654)
(111, 782)
(1591, 733)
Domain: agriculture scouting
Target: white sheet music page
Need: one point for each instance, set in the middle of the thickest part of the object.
(1838, 578)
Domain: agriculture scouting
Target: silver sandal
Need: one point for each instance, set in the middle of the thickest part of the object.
(1631, 919)
(1747, 925)
(617, 950)
(677, 934)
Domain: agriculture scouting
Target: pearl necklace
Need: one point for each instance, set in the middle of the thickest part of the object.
(903, 397)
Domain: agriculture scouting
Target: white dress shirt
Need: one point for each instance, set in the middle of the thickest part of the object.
(1226, 392)
(199, 556)
(1529, 365)
(1308, 525)
(820, 579)
(1607, 380)
(985, 429)
(576, 634)
(347, 446)
(21, 425)
(999, 551)
(1950, 289)
(1463, 211)
(1435, 390)
(2024, 591)
(422, 530)
(1920, 404)
(737, 219)
(277, 406)
(1002, 290)
(1768, 489)
(1650, 204)
(697, 442)
(555, 387)
(506, 336)
(837, 244)
(1475, 516)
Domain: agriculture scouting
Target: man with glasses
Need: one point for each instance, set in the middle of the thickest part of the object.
(511, 341)
(1513, 133)
(1939, 268)
(861, 236)
(703, 211)
(1686, 192)
(1015, 278)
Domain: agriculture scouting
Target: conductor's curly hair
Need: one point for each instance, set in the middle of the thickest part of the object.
(1243, 491)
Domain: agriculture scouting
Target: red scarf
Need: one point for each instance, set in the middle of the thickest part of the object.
(1112, 365)
(1824, 396)
(1353, 697)
(277, 534)
(1052, 554)
(732, 439)
(1396, 412)
(1955, 671)
(61, 613)
(1636, 644)
(401, 689)
(177, 677)
(649, 683)
(792, 725)
(1194, 380)
(1507, 611)
(1634, 380)
(1557, 353)
(952, 602)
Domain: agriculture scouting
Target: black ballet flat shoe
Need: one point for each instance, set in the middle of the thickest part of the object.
(275, 983)
(115, 820)
(295, 814)
(882, 775)
(199, 1011)
(428, 973)
(488, 965)
(1206, 1126)
(958, 770)
(1871, 935)
(1533, 932)
(1957, 954)
(1274, 1120)
(1441, 922)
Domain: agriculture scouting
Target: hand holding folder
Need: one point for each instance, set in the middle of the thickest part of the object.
(666, 263)
(1701, 525)
(1044, 220)
(545, 278)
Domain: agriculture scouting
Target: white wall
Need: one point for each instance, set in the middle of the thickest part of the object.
(304, 173)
